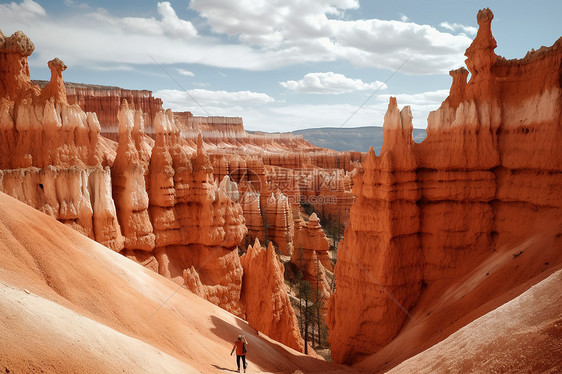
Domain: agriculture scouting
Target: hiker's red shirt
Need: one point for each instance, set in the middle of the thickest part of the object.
(239, 350)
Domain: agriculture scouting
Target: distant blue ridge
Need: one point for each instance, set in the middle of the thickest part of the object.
(357, 139)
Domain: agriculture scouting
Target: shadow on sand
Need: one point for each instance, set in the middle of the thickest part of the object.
(269, 355)
(224, 369)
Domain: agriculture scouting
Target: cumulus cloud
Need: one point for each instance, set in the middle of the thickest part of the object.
(329, 83)
(262, 112)
(208, 100)
(422, 98)
(262, 35)
(25, 12)
(74, 4)
(185, 72)
(456, 26)
(312, 31)
(294, 117)
(283, 118)
(93, 38)
(270, 21)
(388, 44)
(173, 24)
(169, 23)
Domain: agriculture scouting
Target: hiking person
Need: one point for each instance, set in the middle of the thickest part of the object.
(240, 347)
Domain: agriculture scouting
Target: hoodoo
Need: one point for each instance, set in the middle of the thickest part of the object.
(427, 215)
(268, 307)
(442, 238)
(50, 152)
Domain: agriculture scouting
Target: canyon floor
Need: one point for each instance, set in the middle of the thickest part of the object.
(73, 305)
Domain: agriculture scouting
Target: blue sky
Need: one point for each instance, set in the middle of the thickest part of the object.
(282, 65)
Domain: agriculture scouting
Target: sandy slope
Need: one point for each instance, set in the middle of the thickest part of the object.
(518, 263)
(91, 310)
(68, 304)
(521, 336)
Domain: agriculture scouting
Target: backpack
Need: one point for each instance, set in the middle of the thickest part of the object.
(244, 350)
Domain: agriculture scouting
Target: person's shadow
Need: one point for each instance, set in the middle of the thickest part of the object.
(225, 369)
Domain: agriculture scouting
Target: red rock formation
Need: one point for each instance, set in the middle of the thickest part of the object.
(309, 237)
(128, 173)
(278, 221)
(428, 213)
(105, 102)
(49, 151)
(331, 195)
(233, 151)
(198, 224)
(250, 203)
(223, 127)
(168, 155)
(216, 273)
(327, 191)
(55, 88)
(15, 83)
(157, 201)
(382, 235)
(264, 294)
(310, 256)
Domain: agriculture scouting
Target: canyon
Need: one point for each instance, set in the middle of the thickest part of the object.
(476, 190)
(179, 194)
(433, 240)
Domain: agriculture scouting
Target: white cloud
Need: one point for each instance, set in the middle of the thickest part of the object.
(422, 98)
(387, 44)
(329, 83)
(263, 35)
(112, 67)
(74, 4)
(169, 23)
(270, 21)
(312, 31)
(456, 26)
(173, 24)
(295, 117)
(90, 39)
(25, 12)
(211, 100)
(187, 73)
(404, 18)
(275, 118)
(261, 112)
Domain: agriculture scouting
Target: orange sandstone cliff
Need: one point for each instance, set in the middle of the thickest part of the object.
(311, 255)
(199, 226)
(153, 198)
(51, 156)
(480, 196)
(268, 307)
(129, 173)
